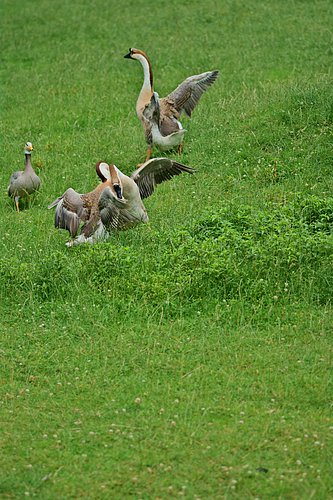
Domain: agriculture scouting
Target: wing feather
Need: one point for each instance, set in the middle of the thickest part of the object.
(155, 172)
(12, 181)
(69, 212)
(113, 211)
(186, 96)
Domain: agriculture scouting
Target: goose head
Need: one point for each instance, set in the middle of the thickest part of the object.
(135, 54)
(110, 173)
(152, 110)
(142, 57)
(28, 148)
(102, 170)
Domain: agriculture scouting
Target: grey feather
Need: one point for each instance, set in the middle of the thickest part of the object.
(113, 211)
(155, 171)
(186, 96)
(69, 212)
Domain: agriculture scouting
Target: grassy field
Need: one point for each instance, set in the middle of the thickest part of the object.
(191, 356)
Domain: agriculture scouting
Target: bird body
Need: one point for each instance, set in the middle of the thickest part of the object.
(134, 188)
(116, 204)
(167, 142)
(24, 182)
(160, 117)
(167, 132)
(73, 209)
(131, 193)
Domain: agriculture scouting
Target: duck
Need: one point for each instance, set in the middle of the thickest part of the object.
(116, 203)
(160, 116)
(25, 182)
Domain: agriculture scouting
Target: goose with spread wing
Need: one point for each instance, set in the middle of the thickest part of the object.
(160, 117)
(24, 182)
(135, 188)
(116, 204)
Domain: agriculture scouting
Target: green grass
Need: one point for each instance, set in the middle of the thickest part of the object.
(190, 356)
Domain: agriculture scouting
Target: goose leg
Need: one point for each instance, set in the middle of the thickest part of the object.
(148, 154)
(147, 157)
(17, 203)
(180, 148)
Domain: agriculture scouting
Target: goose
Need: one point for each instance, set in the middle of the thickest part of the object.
(24, 182)
(74, 209)
(116, 203)
(160, 117)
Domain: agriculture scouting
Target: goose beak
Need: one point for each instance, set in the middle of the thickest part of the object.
(128, 56)
(30, 148)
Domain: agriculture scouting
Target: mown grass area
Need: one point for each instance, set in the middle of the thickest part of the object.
(190, 356)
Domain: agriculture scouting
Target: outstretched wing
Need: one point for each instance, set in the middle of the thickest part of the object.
(155, 171)
(186, 96)
(113, 211)
(69, 212)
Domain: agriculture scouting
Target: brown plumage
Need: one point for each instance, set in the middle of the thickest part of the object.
(115, 204)
(74, 209)
(134, 188)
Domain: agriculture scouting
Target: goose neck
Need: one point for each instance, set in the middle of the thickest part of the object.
(28, 161)
(114, 174)
(147, 73)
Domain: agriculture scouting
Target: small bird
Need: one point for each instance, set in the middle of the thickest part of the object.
(24, 182)
(115, 204)
(160, 117)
